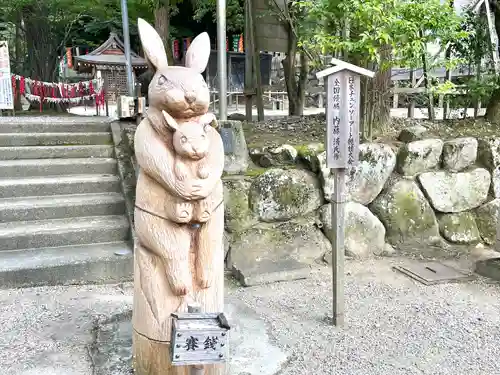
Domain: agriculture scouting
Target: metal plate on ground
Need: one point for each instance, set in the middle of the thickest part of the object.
(433, 273)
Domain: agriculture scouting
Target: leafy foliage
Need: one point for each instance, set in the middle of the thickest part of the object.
(234, 13)
(406, 27)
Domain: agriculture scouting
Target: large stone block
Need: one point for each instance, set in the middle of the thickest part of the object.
(419, 156)
(487, 221)
(277, 252)
(364, 233)
(237, 213)
(459, 153)
(459, 228)
(406, 214)
(274, 156)
(279, 195)
(489, 157)
(364, 182)
(456, 192)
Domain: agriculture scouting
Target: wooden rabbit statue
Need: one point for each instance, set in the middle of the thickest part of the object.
(174, 261)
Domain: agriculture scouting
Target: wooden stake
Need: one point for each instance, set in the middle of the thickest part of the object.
(256, 65)
(411, 106)
(249, 50)
(338, 210)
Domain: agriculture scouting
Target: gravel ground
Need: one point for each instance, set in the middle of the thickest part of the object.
(44, 331)
(393, 324)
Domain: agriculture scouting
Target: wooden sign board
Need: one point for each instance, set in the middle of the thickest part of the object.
(342, 152)
(6, 95)
(270, 32)
(342, 116)
(199, 339)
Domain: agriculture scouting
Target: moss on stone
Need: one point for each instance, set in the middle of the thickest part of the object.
(405, 213)
(486, 219)
(459, 227)
(237, 212)
(255, 172)
(280, 195)
(309, 150)
(369, 157)
(408, 212)
(291, 194)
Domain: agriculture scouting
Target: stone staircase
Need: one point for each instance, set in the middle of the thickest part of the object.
(62, 211)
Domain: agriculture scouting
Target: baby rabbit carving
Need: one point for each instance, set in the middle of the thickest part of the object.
(191, 145)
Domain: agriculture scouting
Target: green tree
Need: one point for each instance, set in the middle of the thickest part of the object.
(235, 16)
(381, 34)
(493, 107)
(46, 27)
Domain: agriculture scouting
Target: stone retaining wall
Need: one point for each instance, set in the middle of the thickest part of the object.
(426, 194)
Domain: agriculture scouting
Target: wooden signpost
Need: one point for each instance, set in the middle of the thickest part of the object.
(342, 83)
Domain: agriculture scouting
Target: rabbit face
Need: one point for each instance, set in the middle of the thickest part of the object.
(180, 91)
(191, 138)
(192, 141)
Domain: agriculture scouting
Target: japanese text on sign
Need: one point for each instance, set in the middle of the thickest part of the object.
(335, 138)
(353, 120)
(210, 342)
(342, 135)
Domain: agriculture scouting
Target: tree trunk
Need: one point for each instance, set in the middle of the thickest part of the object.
(41, 44)
(493, 107)
(17, 56)
(295, 87)
(42, 49)
(380, 103)
(301, 86)
(377, 106)
(162, 26)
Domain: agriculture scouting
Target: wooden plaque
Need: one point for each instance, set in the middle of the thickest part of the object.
(342, 118)
(199, 339)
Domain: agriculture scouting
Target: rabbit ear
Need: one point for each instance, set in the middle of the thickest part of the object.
(198, 53)
(172, 124)
(152, 44)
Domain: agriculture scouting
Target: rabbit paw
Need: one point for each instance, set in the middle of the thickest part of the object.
(203, 210)
(180, 289)
(184, 211)
(203, 172)
(179, 278)
(202, 277)
(181, 172)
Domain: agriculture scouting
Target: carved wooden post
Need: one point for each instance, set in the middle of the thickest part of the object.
(179, 216)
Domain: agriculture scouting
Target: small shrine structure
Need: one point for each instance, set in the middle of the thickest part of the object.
(108, 62)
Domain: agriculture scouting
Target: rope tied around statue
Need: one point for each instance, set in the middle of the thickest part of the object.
(194, 224)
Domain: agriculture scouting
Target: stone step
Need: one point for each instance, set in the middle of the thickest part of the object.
(94, 263)
(55, 167)
(54, 139)
(58, 185)
(54, 126)
(61, 206)
(48, 152)
(19, 235)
